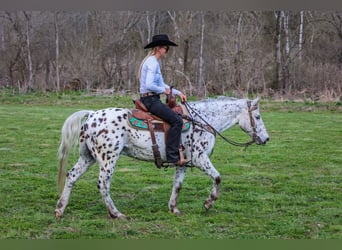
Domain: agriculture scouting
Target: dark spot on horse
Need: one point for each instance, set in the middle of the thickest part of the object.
(119, 118)
(125, 116)
(213, 197)
(105, 131)
(103, 114)
(60, 204)
(103, 156)
(218, 180)
(93, 125)
(178, 188)
(100, 120)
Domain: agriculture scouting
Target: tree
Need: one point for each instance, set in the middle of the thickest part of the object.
(58, 86)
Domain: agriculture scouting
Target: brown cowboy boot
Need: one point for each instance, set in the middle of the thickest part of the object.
(181, 162)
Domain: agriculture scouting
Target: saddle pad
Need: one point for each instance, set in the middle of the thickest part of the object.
(158, 125)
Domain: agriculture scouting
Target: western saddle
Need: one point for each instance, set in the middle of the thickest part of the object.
(141, 118)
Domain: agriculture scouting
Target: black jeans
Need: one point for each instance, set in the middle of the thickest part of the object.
(156, 107)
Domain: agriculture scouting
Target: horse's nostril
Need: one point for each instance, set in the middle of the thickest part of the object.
(267, 139)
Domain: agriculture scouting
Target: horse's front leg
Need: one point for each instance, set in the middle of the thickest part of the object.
(206, 166)
(177, 185)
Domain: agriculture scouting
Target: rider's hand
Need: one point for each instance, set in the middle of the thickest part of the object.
(167, 91)
(182, 97)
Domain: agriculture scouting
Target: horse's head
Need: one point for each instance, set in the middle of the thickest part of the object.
(251, 122)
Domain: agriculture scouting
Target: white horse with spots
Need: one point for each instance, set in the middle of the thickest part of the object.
(105, 134)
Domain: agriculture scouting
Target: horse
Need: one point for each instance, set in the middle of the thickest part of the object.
(104, 135)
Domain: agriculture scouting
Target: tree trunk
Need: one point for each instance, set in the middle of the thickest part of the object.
(300, 42)
(237, 57)
(277, 52)
(201, 80)
(29, 86)
(287, 33)
(58, 87)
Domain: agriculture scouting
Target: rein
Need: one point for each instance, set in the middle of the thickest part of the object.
(234, 143)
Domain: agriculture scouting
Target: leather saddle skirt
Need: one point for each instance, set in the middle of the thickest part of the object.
(139, 118)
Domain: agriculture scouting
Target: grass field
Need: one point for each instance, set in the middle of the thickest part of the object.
(287, 189)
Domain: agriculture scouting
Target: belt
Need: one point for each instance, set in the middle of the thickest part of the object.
(148, 94)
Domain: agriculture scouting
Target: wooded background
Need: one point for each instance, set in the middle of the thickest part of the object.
(268, 53)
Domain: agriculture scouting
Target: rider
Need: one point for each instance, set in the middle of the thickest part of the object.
(152, 85)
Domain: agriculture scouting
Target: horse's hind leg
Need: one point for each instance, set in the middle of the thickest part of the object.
(84, 162)
(177, 185)
(107, 167)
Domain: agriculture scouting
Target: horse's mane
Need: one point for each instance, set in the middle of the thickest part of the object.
(219, 98)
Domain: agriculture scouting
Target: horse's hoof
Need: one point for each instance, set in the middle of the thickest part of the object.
(58, 214)
(176, 212)
(207, 205)
(119, 216)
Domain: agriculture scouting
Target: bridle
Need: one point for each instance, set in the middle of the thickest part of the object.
(212, 130)
(251, 119)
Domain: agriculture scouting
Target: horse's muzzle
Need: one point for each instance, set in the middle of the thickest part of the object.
(260, 141)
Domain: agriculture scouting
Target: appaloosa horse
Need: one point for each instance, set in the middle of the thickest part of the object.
(105, 134)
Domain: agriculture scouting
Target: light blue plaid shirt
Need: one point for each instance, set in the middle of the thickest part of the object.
(151, 79)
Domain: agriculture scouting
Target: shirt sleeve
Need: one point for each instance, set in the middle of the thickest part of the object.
(154, 81)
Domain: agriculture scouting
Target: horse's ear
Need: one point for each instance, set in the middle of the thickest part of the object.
(255, 101)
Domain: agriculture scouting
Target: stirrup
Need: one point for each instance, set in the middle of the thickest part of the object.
(184, 162)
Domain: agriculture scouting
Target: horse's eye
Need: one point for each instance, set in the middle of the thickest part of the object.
(257, 117)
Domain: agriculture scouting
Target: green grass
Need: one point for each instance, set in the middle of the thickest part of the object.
(287, 189)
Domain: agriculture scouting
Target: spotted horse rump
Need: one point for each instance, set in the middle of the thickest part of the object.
(104, 135)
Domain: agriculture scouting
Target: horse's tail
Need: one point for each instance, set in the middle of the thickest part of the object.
(69, 138)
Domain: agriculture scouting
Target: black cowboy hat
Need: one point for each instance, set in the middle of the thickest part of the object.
(160, 40)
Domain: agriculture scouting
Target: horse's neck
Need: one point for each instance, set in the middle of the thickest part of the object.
(221, 113)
